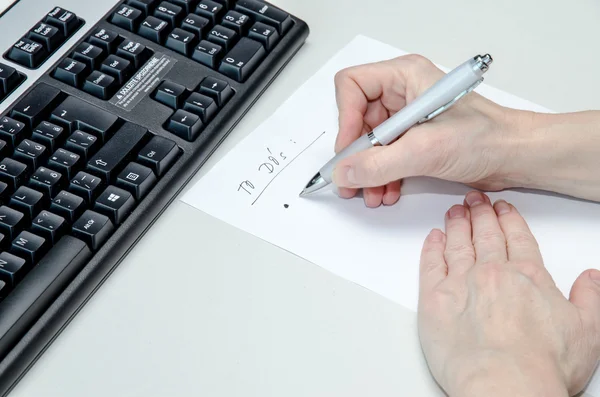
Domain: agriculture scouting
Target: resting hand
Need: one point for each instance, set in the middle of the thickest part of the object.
(491, 320)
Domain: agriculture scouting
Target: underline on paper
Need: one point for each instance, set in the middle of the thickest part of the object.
(291, 161)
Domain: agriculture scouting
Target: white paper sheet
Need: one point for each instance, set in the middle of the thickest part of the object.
(255, 187)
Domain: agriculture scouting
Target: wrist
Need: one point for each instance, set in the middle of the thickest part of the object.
(500, 374)
(553, 152)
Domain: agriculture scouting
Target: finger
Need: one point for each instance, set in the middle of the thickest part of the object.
(433, 269)
(521, 245)
(355, 87)
(585, 295)
(459, 253)
(488, 239)
(346, 193)
(392, 193)
(373, 196)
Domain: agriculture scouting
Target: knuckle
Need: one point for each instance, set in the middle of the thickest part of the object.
(417, 60)
(464, 251)
(521, 238)
(489, 237)
(532, 270)
(375, 169)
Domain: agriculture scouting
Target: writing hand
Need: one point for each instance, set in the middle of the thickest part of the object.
(469, 143)
(491, 320)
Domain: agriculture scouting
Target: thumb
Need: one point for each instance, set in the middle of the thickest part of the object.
(585, 294)
(376, 166)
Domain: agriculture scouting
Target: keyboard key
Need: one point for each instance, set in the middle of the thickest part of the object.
(266, 13)
(89, 54)
(48, 35)
(83, 144)
(208, 54)
(187, 5)
(12, 173)
(87, 186)
(115, 203)
(145, 6)
(185, 125)
(71, 72)
(46, 181)
(202, 106)
(11, 131)
(68, 205)
(154, 29)
(223, 36)
(196, 24)
(27, 201)
(93, 228)
(65, 162)
(11, 222)
(169, 12)
(181, 41)
(76, 114)
(134, 52)
(210, 10)
(237, 22)
(111, 158)
(9, 79)
(3, 192)
(31, 153)
(49, 135)
(159, 154)
(128, 18)
(264, 34)
(49, 226)
(243, 59)
(36, 105)
(30, 247)
(108, 40)
(137, 180)
(100, 85)
(64, 20)
(218, 90)
(28, 53)
(170, 94)
(12, 268)
(117, 67)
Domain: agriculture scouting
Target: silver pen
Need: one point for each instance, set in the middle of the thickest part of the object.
(434, 101)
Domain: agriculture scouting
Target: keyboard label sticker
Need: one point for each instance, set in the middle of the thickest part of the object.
(143, 82)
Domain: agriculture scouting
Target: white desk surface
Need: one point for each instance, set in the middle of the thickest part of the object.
(202, 309)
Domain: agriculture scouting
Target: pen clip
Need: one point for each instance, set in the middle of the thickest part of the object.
(447, 106)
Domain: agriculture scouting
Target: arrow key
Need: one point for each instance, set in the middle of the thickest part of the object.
(170, 94)
(49, 226)
(185, 125)
(218, 90)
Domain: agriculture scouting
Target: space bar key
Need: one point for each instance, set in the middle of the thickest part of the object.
(40, 287)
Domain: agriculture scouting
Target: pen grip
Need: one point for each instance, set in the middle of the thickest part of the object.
(362, 143)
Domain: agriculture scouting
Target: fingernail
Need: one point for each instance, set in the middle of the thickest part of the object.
(502, 207)
(595, 275)
(474, 199)
(458, 211)
(436, 236)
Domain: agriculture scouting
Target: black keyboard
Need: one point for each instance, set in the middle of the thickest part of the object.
(99, 144)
